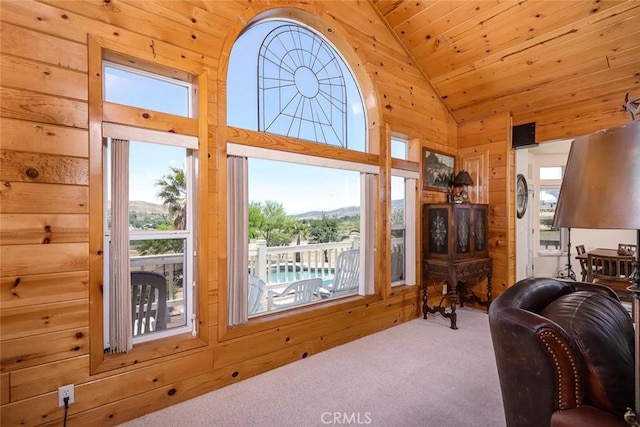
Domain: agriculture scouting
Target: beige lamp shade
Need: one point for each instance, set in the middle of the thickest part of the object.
(601, 184)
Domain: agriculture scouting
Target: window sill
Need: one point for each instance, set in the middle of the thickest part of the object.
(164, 348)
(293, 315)
(551, 253)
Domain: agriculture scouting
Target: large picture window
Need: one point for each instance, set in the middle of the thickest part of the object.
(300, 227)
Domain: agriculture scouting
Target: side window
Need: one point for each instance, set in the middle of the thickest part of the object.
(551, 238)
(149, 214)
(403, 205)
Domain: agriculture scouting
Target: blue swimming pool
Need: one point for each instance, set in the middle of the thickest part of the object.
(293, 273)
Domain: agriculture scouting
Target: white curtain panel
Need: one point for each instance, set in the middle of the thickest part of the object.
(238, 239)
(367, 227)
(120, 327)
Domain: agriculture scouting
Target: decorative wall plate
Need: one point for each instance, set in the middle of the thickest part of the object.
(522, 196)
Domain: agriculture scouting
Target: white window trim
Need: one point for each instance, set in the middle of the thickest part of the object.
(189, 282)
(150, 75)
(410, 200)
(367, 202)
(131, 133)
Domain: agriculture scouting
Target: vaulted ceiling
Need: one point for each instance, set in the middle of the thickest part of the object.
(529, 57)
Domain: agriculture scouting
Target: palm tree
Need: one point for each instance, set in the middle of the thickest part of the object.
(300, 230)
(173, 192)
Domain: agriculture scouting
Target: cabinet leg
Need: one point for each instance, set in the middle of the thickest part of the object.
(453, 294)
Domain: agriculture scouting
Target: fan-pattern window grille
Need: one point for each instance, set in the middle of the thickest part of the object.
(301, 87)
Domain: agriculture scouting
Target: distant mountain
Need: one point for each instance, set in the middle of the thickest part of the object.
(146, 207)
(342, 212)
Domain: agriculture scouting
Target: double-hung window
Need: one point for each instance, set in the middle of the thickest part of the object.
(403, 205)
(149, 200)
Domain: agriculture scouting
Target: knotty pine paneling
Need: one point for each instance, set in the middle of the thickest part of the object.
(26, 74)
(28, 44)
(16, 229)
(21, 322)
(45, 221)
(41, 379)
(500, 184)
(17, 260)
(138, 20)
(5, 389)
(43, 168)
(525, 58)
(35, 137)
(95, 393)
(32, 351)
(27, 105)
(27, 197)
(29, 290)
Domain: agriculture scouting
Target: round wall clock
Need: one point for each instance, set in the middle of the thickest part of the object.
(522, 195)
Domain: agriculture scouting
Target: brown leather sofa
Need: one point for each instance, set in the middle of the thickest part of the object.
(564, 352)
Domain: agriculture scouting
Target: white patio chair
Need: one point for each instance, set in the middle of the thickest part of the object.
(300, 292)
(148, 302)
(256, 290)
(345, 280)
(397, 266)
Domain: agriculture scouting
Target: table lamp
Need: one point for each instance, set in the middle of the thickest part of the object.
(601, 189)
(462, 179)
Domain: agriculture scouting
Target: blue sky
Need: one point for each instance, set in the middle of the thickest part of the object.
(299, 188)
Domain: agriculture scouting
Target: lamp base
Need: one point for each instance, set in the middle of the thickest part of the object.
(567, 271)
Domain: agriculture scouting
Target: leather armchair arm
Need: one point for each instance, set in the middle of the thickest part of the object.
(586, 416)
(551, 365)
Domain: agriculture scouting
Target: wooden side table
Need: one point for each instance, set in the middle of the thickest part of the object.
(455, 272)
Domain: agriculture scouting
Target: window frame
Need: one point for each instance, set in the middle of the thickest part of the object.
(188, 235)
(410, 229)
(366, 287)
(542, 185)
(99, 113)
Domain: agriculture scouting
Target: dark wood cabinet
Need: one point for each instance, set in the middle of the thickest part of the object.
(455, 231)
(455, 249)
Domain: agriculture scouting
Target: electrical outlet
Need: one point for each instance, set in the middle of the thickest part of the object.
(65, 391)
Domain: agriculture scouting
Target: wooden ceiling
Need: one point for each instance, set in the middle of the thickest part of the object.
(531, 58)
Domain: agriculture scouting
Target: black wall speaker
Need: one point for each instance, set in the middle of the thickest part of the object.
(524, 136)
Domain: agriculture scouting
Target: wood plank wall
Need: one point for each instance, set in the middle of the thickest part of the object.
(45, 228)
(44, 220)
(488, 142)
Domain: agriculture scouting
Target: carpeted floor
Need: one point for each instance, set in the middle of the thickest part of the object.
(420, 373)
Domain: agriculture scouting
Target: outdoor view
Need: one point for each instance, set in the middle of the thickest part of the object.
(551, 178)
(159, 232)
(304, 219)
(549, 235)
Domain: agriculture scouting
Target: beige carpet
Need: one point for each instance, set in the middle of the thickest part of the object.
(420, 373)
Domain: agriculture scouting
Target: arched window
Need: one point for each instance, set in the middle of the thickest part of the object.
(307, 212)
(297, 84)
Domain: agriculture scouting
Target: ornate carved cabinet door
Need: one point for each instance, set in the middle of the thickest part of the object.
(455, 231)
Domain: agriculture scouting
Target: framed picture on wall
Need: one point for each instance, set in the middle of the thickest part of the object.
(437, 170)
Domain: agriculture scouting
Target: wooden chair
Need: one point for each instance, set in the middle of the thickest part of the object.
(297, 293)
(583, 262)
(148, 302)
(613, 272)
(627, 249)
